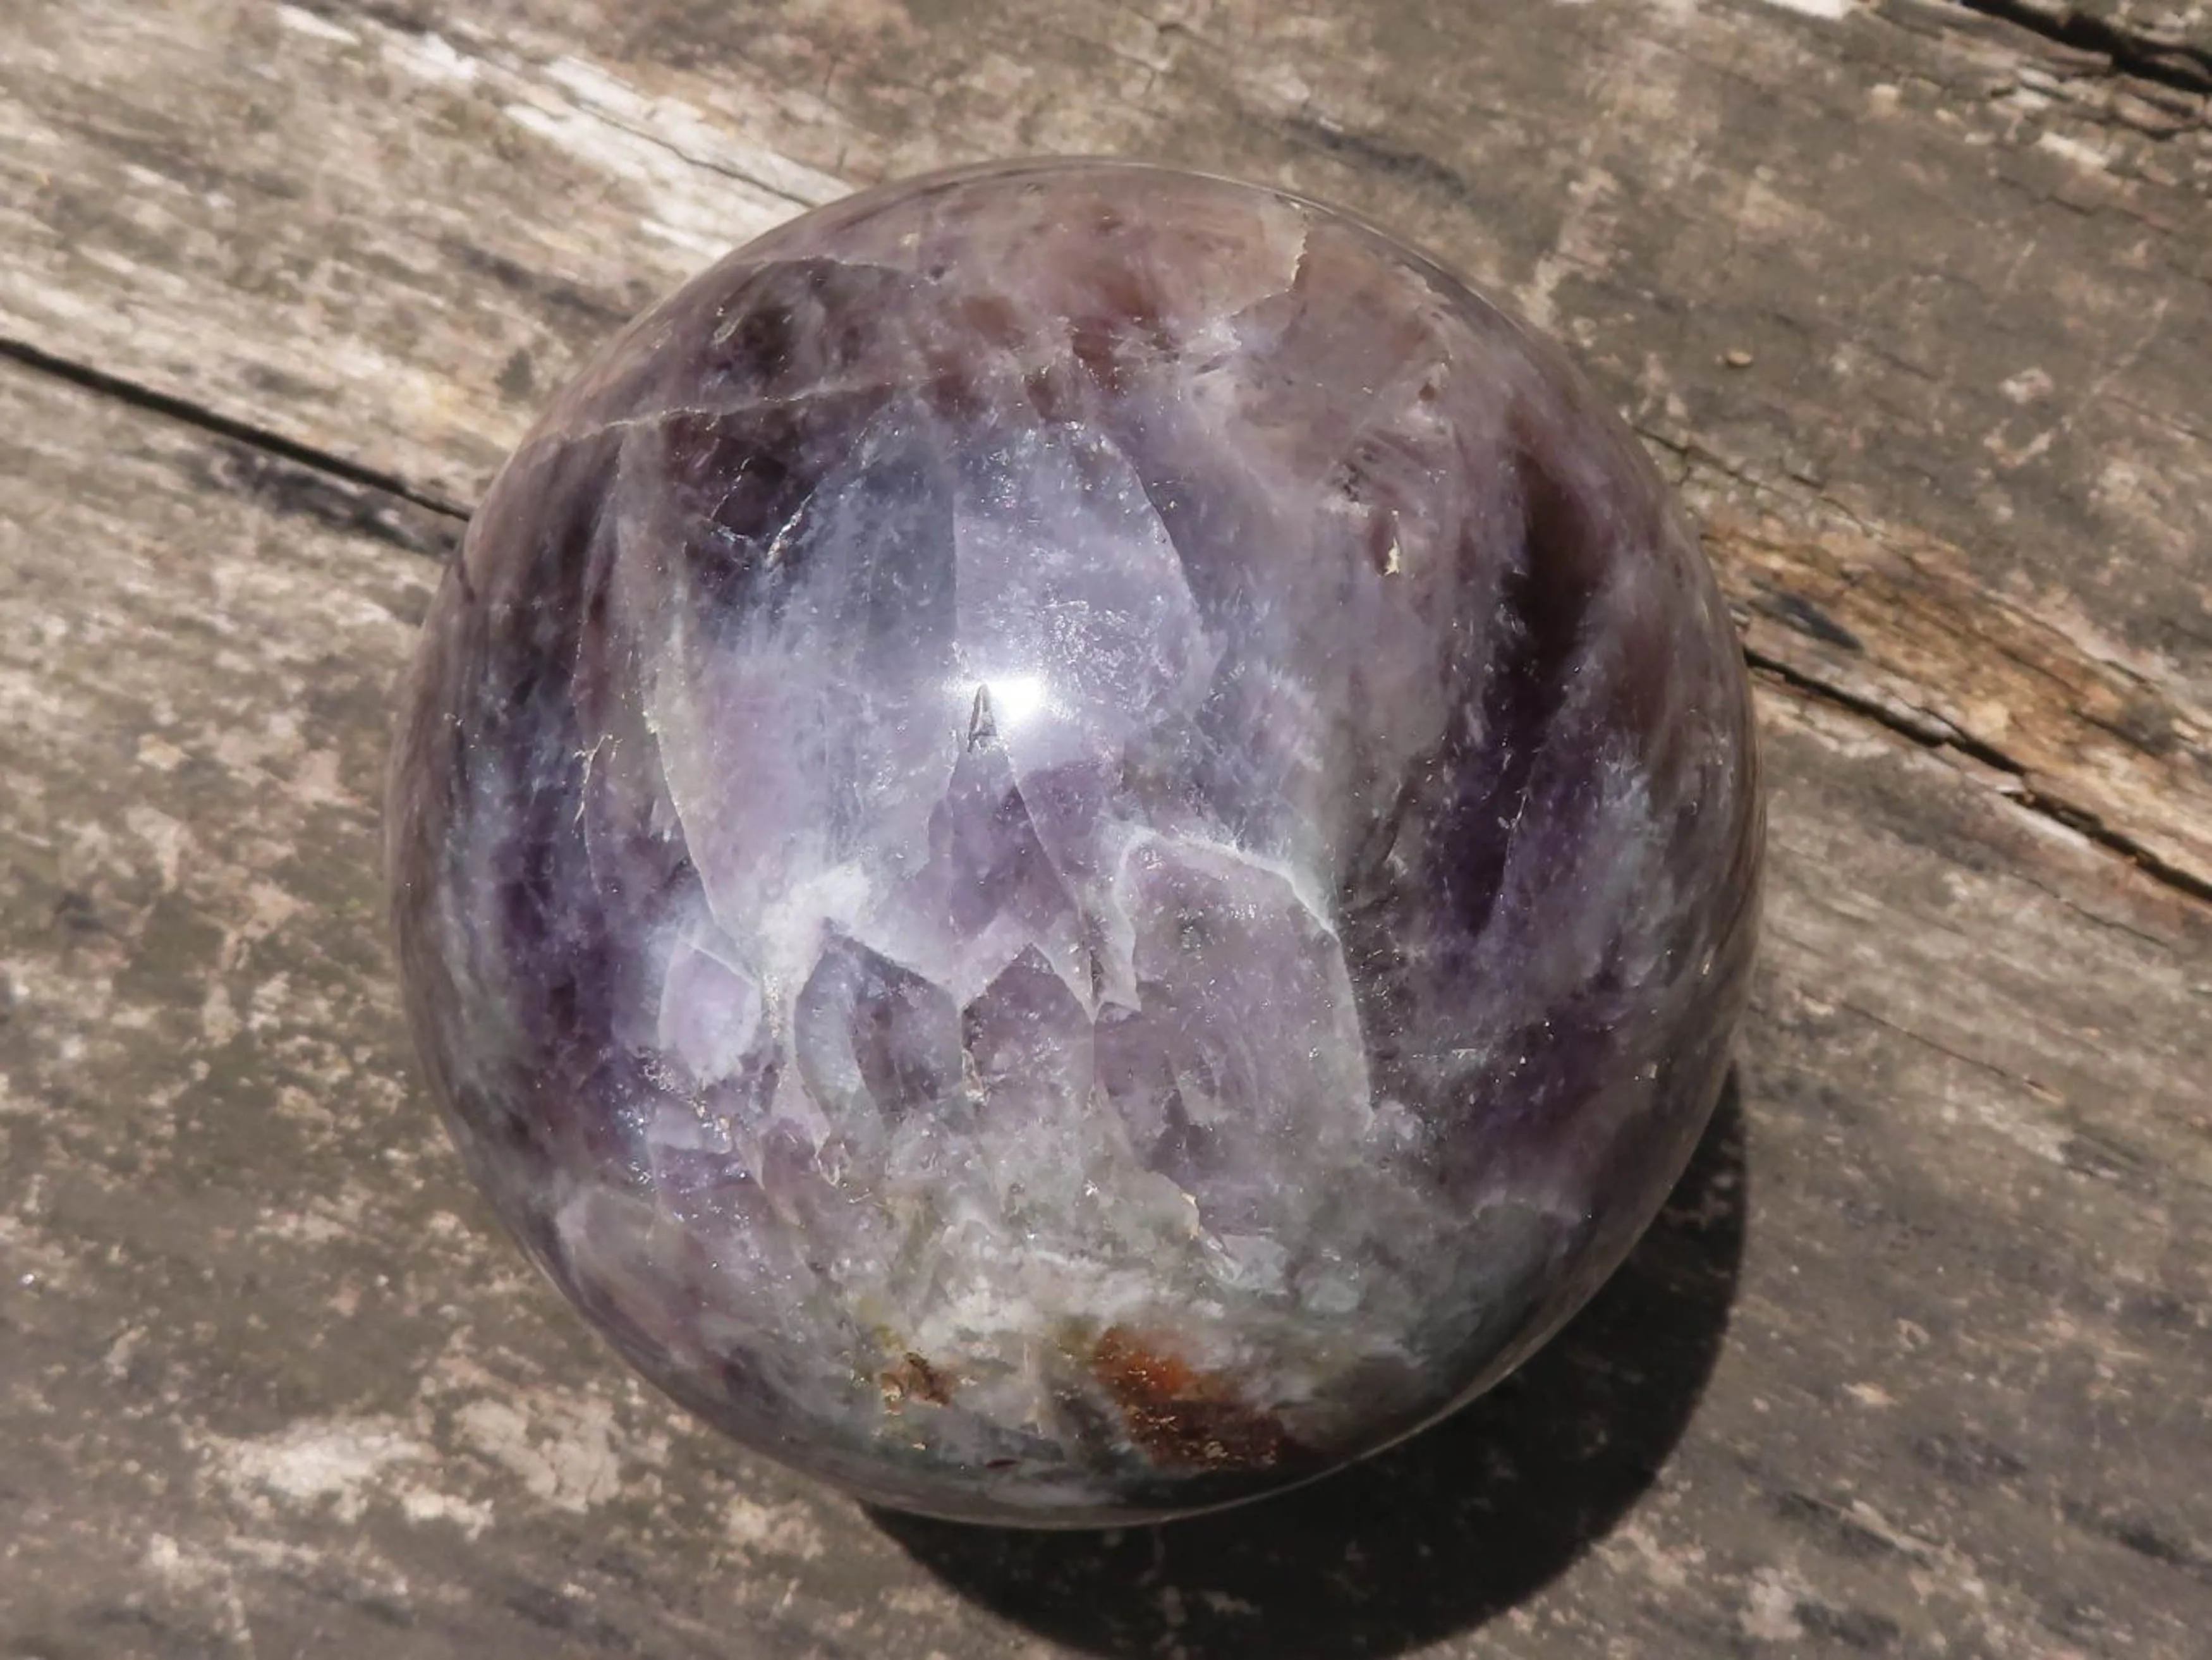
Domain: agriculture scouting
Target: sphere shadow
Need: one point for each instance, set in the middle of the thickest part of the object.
(1435, 1536)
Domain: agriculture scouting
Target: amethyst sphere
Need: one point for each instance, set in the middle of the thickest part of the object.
(1075, 841)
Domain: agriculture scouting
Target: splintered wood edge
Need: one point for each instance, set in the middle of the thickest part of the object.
(1893, 630)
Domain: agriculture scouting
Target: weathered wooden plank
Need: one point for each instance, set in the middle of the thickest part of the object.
(1959, 483)
(1918, 1363)
(1924, 329)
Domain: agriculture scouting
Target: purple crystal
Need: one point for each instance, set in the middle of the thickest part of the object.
(1075, 840)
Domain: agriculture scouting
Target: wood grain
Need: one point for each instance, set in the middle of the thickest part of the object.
(1912, 297)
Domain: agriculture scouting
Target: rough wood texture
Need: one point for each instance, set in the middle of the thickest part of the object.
(1912, 295)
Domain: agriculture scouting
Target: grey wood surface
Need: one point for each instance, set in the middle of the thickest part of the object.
(1914, 298)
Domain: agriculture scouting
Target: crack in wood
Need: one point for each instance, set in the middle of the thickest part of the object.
(183, 410)
(1922, 734)
(1397, 160)
(2134, 53)
(2084, 824)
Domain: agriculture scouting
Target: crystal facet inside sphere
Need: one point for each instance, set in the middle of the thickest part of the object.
(1075, 841)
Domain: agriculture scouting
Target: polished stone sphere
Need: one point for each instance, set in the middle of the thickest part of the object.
(1075, 841)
